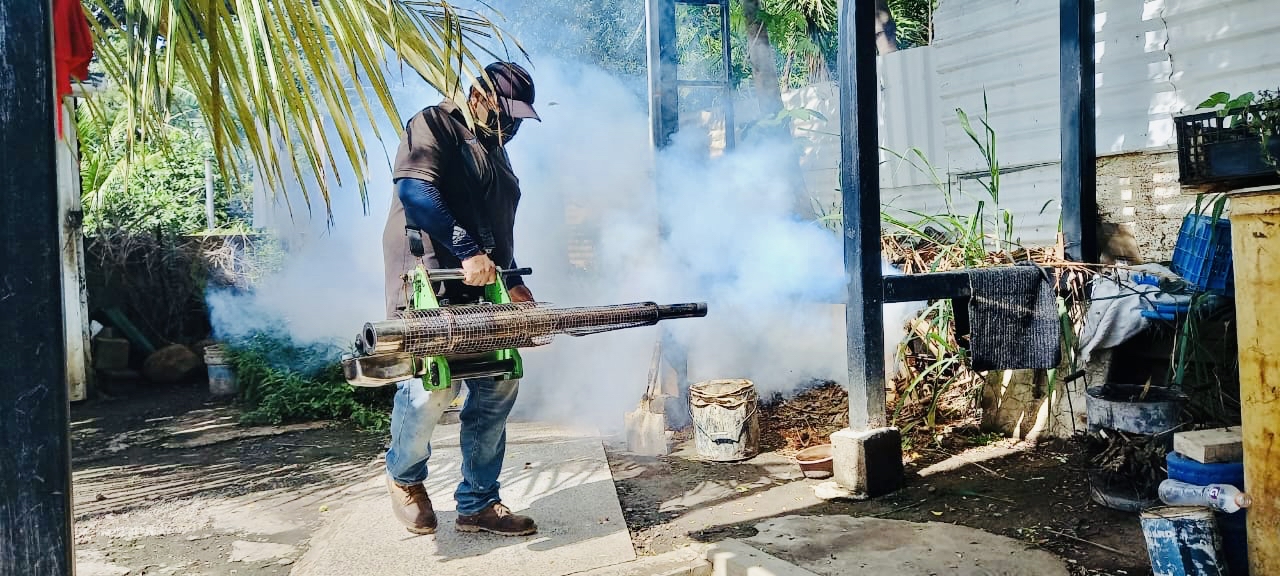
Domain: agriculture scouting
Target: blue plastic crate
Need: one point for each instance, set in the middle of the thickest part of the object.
(1205, 266)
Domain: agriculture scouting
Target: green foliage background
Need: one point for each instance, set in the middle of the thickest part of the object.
(162, 190)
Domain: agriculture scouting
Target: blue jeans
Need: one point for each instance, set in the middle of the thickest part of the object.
(414, 415)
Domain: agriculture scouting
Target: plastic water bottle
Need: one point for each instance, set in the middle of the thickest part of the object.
(1220, 497)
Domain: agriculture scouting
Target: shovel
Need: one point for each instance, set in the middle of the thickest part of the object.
(646, 426)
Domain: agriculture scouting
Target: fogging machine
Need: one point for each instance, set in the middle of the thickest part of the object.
(442, 344)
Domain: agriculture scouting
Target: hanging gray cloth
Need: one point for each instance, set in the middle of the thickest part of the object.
(1013, 314)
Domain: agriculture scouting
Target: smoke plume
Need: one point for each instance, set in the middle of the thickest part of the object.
(603, 219)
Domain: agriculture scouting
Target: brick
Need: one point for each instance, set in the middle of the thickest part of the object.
(1210, 446)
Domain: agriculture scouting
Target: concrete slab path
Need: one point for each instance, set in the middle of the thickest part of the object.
(847, 545)
(557, 475)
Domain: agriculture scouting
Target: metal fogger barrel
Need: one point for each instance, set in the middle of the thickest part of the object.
(475, 328)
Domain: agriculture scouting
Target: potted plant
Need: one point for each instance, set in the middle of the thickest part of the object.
(1234, 144)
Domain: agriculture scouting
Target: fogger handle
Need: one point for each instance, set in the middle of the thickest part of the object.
(673, 311)
(456, 273)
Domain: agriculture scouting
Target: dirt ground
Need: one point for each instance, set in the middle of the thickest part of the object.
(151, 464)
(166, 482)
(1037, 495)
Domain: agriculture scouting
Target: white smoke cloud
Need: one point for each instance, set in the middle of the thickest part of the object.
(331, 280)
(773, 282)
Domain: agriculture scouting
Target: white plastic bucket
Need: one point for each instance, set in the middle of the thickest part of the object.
(726, 419)
(222, 376)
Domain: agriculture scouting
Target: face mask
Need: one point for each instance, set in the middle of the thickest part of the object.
(502, 123)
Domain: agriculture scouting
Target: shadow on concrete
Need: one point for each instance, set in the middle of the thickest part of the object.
(553, 533)
(129, 453)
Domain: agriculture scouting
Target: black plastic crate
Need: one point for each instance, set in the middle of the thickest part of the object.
(1210, 151)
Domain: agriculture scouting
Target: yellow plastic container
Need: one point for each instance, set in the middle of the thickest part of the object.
(1255, 248)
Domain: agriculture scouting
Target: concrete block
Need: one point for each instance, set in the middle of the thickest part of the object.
(733, 558)
(868, 463)
(1211, 446)
(110, 353)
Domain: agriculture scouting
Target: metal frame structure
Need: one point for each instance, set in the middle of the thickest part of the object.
(664, 116)
(664, 70)
(868, 289)
(35, 464)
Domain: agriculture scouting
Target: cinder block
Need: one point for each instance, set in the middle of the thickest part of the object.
(110, 354)
(868, 463)
(1211, 446)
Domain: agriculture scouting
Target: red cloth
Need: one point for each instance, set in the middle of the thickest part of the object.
(72, 48)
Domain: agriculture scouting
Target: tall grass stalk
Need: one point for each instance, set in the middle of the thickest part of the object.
(956, 237)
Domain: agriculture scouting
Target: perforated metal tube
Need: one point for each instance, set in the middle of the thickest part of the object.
(487, 327)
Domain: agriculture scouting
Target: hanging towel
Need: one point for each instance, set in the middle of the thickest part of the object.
(1013, 314)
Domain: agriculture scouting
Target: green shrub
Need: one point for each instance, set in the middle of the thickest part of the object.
(281, 382)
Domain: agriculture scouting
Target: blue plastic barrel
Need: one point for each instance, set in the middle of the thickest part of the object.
(1184, 469)
(1183, 541)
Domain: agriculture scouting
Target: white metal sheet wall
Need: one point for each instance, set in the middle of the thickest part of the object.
(1162, 57)
(1155, 58)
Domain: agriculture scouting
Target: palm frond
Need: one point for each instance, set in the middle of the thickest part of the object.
(284, 81)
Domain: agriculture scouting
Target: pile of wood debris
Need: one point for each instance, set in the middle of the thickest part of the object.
(807, 418)
(1132, 461)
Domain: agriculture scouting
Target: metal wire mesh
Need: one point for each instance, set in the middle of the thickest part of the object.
(487, 327)
(596, 319)
(471, 328)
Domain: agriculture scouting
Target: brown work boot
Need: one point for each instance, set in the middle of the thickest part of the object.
(412, 507)
(497, 519)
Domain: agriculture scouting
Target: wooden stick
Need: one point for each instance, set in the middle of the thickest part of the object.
(899, 509)
(973, 494)
(1089, 542)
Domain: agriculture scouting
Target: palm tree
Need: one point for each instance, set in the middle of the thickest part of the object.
(281, 81)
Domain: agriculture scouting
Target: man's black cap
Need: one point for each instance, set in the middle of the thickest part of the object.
(513, 87)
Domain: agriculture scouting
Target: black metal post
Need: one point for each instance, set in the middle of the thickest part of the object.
(1079, 144)
(726, 52)
(35, 461)
(664, 118)
(664, 93)
(860, 183)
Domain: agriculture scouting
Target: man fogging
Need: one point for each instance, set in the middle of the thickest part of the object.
(456, 185)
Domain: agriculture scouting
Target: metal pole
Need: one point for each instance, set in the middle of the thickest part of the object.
(860, 183)
(1079, 140)
(664, 94)
(209, 214)
(726, 49)
(664, 118)
(35, 464)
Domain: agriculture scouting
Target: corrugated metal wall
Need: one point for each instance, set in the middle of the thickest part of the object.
(1154, 59)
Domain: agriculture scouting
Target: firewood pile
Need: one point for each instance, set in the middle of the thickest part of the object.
(1134, 461)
